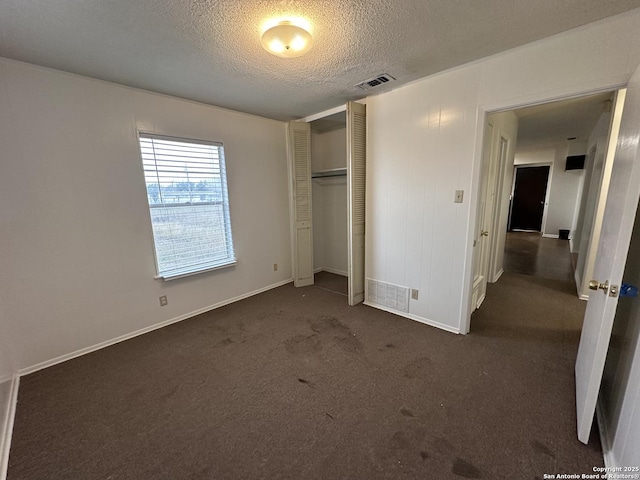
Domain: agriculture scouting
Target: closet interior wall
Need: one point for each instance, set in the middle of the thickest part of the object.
(330, 233)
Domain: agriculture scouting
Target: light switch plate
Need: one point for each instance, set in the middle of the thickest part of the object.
(459, 196)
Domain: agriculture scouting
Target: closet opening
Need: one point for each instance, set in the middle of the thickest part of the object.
(329, 202)
(327, 160)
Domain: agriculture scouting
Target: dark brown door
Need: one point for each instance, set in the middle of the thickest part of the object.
(529, 193)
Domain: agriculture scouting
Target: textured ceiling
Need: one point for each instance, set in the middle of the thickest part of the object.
(209, 50)
(558, 121)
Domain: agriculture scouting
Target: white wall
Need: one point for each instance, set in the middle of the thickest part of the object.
(424, 142)
(6, 367)
(329, 149)
(330, 235)
(77, 262)
(564, 186)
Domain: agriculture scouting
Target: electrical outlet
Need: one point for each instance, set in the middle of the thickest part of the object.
(458, 197)
(163, 301)
(275, 267)
(414, 294)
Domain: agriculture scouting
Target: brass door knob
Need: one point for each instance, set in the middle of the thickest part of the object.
(595, 285)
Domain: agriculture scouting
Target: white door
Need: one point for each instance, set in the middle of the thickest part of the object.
(356, 178)
(495, 265)
(299, 153)
(598, 189)
(617, 224)
(481, 242)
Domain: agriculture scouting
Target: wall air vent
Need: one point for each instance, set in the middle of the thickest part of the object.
(388, 295)
(375, 81)
(575, 162)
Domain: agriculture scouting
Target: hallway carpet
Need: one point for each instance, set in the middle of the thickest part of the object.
(531, 254)
(294, 384)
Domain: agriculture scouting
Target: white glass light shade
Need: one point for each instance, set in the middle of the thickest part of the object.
(287, 40)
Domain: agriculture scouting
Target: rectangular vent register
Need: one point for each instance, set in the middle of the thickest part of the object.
(388, 295)
(375, 81)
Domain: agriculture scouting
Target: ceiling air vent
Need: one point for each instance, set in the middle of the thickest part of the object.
(375, 81)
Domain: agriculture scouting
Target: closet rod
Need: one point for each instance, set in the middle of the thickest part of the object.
(334, 172)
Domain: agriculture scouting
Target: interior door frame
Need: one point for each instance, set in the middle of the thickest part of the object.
(542, 97)
(543, 223)
(317, 116)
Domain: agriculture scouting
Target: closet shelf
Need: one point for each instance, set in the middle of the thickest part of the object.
(333, 172)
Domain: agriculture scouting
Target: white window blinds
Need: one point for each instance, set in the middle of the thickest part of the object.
(189, 204)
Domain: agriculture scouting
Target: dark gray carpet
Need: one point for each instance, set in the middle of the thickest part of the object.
(329, 281)
(294, 384)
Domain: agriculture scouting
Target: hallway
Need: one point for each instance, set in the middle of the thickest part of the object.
(531, 254)
(533, 316)
(535, 324)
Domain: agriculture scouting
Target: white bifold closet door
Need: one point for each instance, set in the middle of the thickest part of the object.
(299, 154)
(356, 180)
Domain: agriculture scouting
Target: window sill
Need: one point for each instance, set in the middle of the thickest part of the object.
(176, 276)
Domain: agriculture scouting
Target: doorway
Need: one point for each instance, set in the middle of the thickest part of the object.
(542, 137)
(329, 200)
(529, 196)
(529, 253)
(327, 168)
(578, 194)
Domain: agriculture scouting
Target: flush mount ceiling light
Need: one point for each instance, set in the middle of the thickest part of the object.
(287, 40)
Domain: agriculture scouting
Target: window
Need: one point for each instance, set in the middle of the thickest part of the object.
(189, 205)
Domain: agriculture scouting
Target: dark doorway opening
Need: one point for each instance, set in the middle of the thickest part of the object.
(529, 193)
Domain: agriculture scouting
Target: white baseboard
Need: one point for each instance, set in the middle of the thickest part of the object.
(550, 235)
(142, 331)
(581, 296)
(498, 275)
(480, 300)
(337, 272)
(416, 318)
(317, 270)
(7, 418)
(6, 426)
